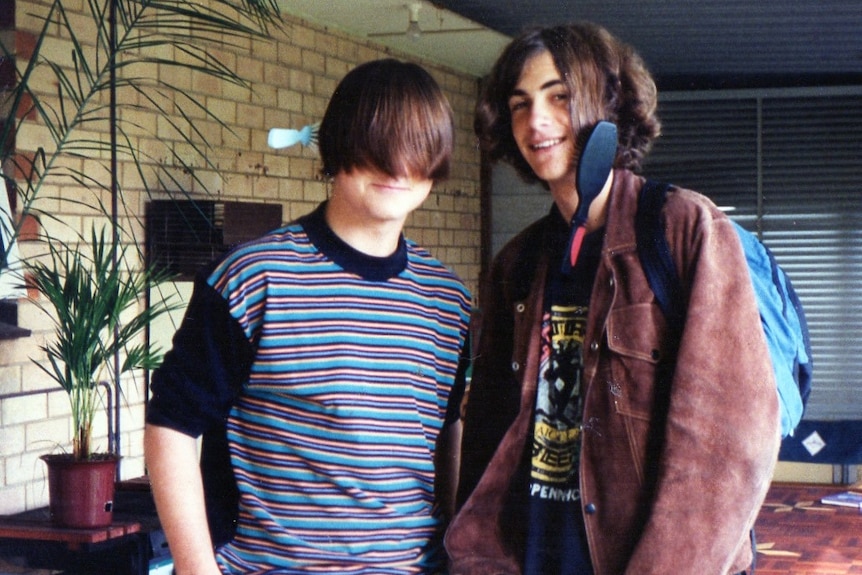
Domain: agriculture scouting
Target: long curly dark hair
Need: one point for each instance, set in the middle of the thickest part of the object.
(606, 78)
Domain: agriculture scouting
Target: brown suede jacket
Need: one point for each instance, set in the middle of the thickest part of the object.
(674, 467)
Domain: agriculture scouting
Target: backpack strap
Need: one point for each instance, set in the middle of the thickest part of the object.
(654, 251)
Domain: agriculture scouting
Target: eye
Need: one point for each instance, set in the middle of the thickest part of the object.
(515, 105)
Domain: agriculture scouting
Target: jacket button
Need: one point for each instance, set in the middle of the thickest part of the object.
(590, 508)
(520, 308)
(515, 366)
(594, 346)
(611, 281)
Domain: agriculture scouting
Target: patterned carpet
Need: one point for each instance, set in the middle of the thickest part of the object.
(798, 535)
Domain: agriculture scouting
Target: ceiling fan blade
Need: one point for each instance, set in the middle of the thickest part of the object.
(424, 32)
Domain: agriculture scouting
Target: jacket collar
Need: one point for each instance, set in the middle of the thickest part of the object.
(620, 228)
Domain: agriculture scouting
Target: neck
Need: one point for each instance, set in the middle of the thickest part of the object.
(566, 198)
(378, 239)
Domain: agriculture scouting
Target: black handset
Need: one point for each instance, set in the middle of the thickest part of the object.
(594, 165)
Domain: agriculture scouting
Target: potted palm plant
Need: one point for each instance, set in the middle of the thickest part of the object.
(85, 80)
(93, 296)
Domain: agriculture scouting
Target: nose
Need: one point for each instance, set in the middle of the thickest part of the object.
(540, 114)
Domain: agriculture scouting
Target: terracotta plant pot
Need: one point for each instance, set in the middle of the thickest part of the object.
(81, 493)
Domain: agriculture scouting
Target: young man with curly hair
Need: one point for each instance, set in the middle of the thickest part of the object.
(595, 440)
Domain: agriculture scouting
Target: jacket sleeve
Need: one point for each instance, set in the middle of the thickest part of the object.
(721, 434)
(492, 397)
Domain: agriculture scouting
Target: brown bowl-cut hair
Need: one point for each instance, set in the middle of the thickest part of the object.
(606, 78)
(391, 116)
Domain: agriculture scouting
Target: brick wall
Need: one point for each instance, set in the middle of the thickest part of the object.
(291, 78)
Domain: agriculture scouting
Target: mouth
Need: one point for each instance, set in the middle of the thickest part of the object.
(545, 144)
(389, 188)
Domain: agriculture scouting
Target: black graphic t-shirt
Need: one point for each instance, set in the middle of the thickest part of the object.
(556, 542)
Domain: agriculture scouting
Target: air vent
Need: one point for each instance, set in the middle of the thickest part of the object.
(185, 235)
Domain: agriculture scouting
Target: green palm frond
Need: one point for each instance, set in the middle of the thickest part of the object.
(171, 36)
(92, 299)
(130, 49)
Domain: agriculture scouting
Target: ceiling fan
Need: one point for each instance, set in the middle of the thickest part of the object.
(414, 32)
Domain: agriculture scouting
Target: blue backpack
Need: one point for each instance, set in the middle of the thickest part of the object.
(781, 313)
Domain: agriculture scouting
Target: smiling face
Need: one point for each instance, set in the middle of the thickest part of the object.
(542, 123)
(386, 137)
(368, 207)
(374, 198)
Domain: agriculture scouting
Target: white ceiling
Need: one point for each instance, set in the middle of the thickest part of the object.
(720, 43)
(467, 46)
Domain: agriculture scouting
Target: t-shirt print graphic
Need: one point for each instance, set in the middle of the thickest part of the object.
(556, 437)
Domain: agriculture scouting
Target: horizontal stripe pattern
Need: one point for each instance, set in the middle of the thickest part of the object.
(333, 437)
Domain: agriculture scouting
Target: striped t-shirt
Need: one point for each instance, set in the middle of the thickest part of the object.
(333, 435)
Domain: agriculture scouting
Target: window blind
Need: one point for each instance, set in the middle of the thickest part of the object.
(785, 164)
